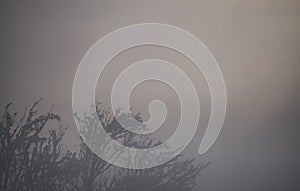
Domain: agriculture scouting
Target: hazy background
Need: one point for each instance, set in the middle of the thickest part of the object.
(255, 42)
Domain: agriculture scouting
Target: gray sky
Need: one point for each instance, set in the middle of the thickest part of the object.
(256, 44)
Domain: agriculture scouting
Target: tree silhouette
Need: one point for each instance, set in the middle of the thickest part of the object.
(32, 161)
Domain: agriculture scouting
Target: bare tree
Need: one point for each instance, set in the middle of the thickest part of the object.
(32, 161)
(179, 173)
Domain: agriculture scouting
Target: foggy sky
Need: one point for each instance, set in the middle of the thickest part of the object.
(256, 44)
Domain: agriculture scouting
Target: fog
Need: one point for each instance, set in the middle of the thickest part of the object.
(256, 44)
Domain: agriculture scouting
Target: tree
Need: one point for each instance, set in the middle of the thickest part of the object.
(31, 161)
(178, 173)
